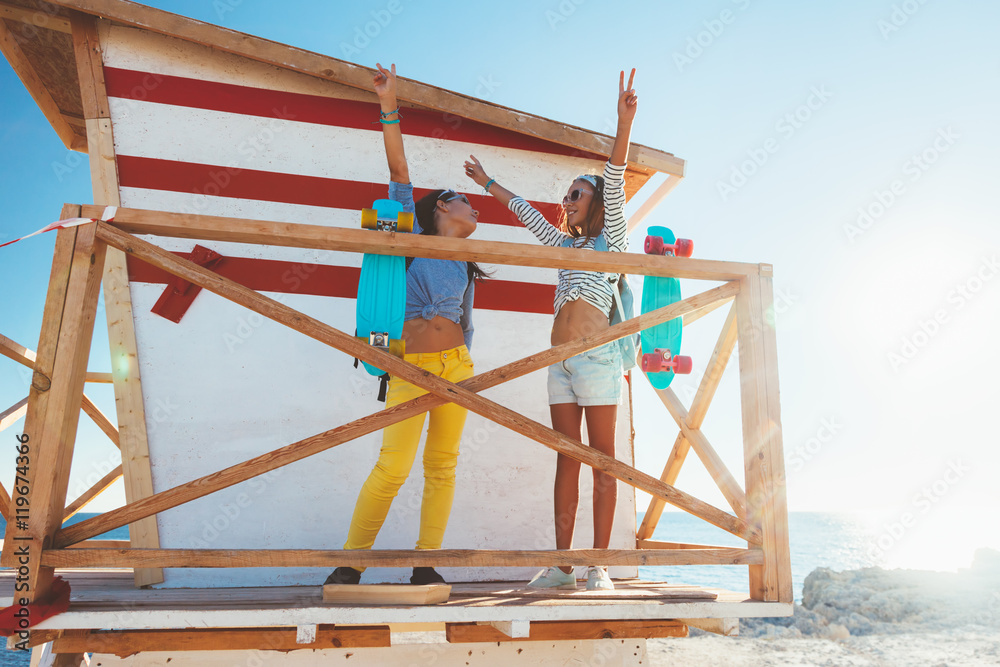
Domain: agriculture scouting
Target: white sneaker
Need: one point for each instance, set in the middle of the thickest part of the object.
(553, 577)
(598, 579)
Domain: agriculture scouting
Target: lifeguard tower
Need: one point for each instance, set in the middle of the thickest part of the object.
(237, 167)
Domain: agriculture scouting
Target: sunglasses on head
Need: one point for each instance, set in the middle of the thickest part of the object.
(451, 195)
(576, 194)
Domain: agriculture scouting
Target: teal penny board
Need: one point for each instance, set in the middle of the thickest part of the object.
(381, 304)
(657, 293)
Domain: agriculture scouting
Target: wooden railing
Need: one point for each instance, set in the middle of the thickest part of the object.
(758, 515)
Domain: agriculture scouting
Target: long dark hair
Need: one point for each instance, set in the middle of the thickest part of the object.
(594, 223)
(428, 227)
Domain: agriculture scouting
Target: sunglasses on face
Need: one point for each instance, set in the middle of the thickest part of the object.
(451, 195)
(576, 194)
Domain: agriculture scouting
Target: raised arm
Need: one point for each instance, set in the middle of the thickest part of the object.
(628, 103)
(525, 212)
(385, 87)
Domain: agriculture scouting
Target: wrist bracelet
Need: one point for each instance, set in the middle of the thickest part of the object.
(388, 122)
(486, 188)
(386, 114)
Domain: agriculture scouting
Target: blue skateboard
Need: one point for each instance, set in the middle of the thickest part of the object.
(382, 287)
(660, 344)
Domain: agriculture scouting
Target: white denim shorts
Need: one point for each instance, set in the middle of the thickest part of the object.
(591, 378)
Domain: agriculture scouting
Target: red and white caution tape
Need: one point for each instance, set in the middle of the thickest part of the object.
(107, 216)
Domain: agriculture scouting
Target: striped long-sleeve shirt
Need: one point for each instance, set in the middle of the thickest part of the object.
(591, 286)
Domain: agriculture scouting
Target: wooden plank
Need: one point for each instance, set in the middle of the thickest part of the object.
(91, 493)
(51, 445)
(776, 514)
(656, 544)
(394, 594)
(714, 464)
(133, 440)
(753, 401)
(238, 558)
(146, 507)
(571, 630)
(124, 643)
(398, 368)
(356, 76)
(690, 318)
(672, 468)
(101, 378)
(39, 19)
(214, 228)
(714, 370)
(35, 86)
(98, 418)
(101, 544)
(19, 353)
(9, 416)
(38, 393)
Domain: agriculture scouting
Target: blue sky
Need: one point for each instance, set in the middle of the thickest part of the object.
(852, 145)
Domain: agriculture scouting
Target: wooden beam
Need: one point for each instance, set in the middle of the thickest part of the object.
(38, 392)
(51, 442)
(776, 515)
(146, 507)
(398, 368)
(237, 558)
(658, 195)
(568, 630)
(124, 643)
(37, 18)
(239, 230)
(100, 378)
(657, 544)
(761, 442)
(19, 353)
(101, 544)
(91, 493)
(13, 413)
(703, 448)
(690, 318)
(36, 87)
(98, 418)
(133, 440)
(356, 76)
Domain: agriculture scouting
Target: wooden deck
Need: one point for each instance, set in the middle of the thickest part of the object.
(107, 599)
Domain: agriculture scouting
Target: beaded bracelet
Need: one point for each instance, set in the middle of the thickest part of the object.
(486, 188)
(388, 122)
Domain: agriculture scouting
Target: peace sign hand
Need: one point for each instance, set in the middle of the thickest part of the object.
(384, 81)
(628, 101)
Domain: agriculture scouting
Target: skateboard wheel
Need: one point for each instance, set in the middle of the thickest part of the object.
(653, 245)
(369, 218)
(651, 363)
(405, 222)
(682, 365)
(685, 247)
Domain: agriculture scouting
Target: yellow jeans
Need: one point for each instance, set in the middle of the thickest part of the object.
(399, 449)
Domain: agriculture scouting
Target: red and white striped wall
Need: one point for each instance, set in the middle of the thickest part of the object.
(205, 132)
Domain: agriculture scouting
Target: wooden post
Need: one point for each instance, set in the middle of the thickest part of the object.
(764, 464)
(50, 429)
(131, 438)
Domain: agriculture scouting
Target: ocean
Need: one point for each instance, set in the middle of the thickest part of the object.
(818, 539)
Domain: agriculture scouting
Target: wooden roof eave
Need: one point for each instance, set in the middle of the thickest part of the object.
(133, 14)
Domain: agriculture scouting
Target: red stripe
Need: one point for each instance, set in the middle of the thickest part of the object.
(244, 100)
(267, 275)
(215, 181)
